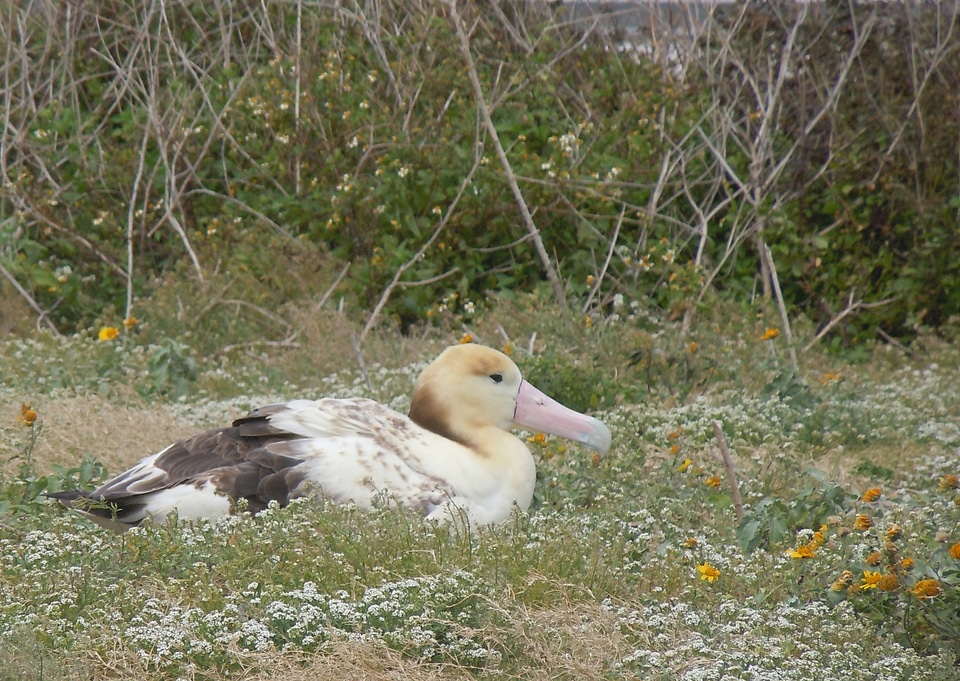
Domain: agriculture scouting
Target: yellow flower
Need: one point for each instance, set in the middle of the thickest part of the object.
(955, 551)
(590, 279)
(588, 321)
(949, 482)
(130, 322)
(712, 481)
(674, 450)
(27, 415)
(888, 582)
(926, 588)
(108, 333)
(894, 532)
(690, 543)
(907, 563)
(803, 551)
(466, 338)
(871, 494)
(770, 334)
(870, 579)
(685, 465)
(862, 522)
(843, 581)
(708, 572)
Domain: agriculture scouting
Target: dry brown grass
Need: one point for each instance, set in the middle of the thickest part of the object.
(76, 427)
(344, 661)
(338, 661)
(580, 642)
(16, 317)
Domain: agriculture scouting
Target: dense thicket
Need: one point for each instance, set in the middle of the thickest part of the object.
(814, 145)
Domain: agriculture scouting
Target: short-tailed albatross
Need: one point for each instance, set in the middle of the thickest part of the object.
(452, 454)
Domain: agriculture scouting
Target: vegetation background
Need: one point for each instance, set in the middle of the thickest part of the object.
(676, 215)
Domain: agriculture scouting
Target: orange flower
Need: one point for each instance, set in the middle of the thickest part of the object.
(130, 322)
(862, 522)
(894, 532)
(27, 415)
(949, 482)
(926, 588)
(907, 563)
(888, 582)
(873, 559)
(690, 543)
(108, 333)
(692, 347)
(712, 481)
(871, 494)
(674, 450)
(539, 438)
(955, 551)
(466, 338)
(830, 377)
(770, 334)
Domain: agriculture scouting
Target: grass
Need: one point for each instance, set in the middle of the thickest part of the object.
(600, 581)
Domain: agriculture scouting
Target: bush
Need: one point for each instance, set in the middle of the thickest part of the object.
(236, 143)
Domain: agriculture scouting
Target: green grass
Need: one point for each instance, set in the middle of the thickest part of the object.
(600, 581)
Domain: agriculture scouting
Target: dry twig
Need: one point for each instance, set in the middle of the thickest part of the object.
(731, 472)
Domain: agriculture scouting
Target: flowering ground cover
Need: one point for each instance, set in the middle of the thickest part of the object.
(845, 564)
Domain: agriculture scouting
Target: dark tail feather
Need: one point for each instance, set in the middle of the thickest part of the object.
(68, 497)
(114, 514)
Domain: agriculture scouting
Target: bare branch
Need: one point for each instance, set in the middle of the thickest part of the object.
(731, 471)
(388, 291)
(131, 213)
(606, 264)
(30, 301)
(781, 304)
(545, 261)
(333, 287)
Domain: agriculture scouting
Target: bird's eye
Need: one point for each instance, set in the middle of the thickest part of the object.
(496, 378)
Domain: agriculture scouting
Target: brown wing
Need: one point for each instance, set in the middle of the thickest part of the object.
(244, 461)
